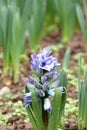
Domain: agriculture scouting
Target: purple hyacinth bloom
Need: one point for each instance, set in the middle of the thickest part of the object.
(47, 63)
(46, 52)
(55, 80)
(27, 99)
(54, 83)
(33, 81)
(35, 64)
(50, 76)
(43, 61)
(44, 79)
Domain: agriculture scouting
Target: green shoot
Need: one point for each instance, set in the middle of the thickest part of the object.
(81, 19)
(82, 93)
(66, 62)
(67, 18)
(36, 23)
(12, 35)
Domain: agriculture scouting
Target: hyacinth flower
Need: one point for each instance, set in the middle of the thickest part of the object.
(45, 91)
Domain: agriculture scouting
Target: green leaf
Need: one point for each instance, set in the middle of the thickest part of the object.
(32, 117)
(82, 93)
(66, 62)
(37, 109)
(67, 18)
(81, 20)
(12, 33)
(63, 79)
(85, 94)
(36, 23)
(63, 101)
(54, 116)
(26, 89)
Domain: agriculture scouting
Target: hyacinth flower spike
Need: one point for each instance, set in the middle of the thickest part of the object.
(45, 91)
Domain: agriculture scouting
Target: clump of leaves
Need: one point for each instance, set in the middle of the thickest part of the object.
(12, 35)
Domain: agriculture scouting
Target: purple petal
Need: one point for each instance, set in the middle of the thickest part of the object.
(33, 81)
(27, 99)
(46, 86)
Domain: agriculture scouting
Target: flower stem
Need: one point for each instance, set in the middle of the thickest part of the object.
(44, 116)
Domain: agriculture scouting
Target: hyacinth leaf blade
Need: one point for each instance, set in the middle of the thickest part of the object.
(58, 69)
(82, 99)
(79, 90)
(63, 79)
(82, 93)
(83, 106)
(32, 117)
(53, 120)
(81, 20)
(63, 101)
(85, 94)
(66, 62)
(79, 71)
(26, 14)
(80, 104)
(31, 113)
(37, 111)
(63, 82)
(26, 89)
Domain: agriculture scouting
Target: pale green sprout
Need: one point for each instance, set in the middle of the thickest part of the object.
(12, 34)
(67, 17)
(38, 10)
(51, 20)
(82, 20)
(82, 95)
(66, 61)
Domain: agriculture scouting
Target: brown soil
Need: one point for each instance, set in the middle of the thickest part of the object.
(77, 45)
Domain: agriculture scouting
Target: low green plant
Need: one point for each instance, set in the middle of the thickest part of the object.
(82, 20)
(71, 108)
(45, 92)
(12, 35)
(20, 4)
(67, 18)
(38, 10)
(82, 93)
(15, 109)
(51, 18)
